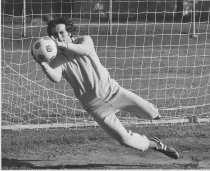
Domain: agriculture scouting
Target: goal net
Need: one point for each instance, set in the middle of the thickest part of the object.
(146, 46)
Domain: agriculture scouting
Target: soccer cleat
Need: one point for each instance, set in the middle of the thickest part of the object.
(168, 151)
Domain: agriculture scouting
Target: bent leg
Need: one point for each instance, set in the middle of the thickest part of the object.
(114, 127)
(130, 102)
(104, 114)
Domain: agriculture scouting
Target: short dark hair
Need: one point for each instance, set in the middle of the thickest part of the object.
(64, 20)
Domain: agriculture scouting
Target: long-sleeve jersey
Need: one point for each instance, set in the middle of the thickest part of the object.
(83, 70)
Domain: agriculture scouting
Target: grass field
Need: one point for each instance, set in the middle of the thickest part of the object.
(159, 62)
(94, 149)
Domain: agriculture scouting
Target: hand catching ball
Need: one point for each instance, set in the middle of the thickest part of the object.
(44, 49)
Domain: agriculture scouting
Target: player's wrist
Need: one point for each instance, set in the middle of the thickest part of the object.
(44, 65)
(69, 45)
(63, 45)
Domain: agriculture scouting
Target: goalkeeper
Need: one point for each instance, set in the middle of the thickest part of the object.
(100, 95)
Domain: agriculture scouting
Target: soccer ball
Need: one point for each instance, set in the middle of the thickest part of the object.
(44, 49)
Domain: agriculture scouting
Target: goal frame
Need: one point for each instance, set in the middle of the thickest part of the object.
(90, 123)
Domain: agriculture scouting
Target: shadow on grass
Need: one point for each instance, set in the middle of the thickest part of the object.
(8, 164)
(14, 163)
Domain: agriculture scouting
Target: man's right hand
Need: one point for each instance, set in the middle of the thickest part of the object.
(58, 43)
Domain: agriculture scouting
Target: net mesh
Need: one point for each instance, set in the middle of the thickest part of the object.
(146, 47)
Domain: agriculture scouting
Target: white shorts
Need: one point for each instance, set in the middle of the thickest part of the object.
(124, 100)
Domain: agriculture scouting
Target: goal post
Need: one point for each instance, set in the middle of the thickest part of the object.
(141, 43)
(110, 16)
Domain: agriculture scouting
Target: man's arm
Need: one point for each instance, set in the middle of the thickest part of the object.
(54, 75)
(83, 48)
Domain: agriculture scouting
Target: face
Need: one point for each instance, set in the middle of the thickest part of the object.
(59, 32)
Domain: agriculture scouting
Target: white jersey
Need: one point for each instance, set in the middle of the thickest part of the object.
(100, 95)
(87, 76)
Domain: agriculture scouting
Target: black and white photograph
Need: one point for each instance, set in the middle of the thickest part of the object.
(105, 84)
